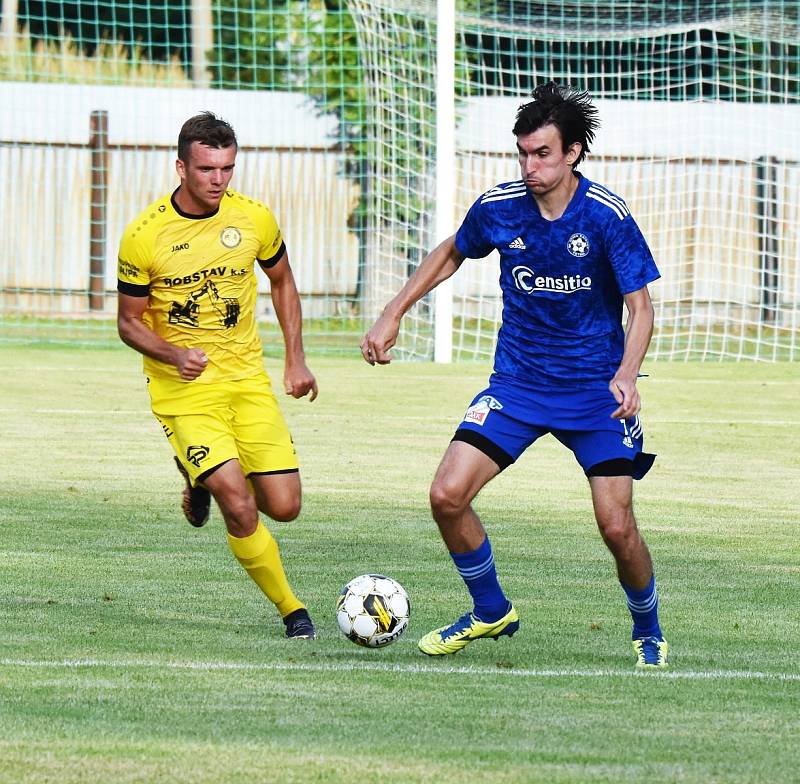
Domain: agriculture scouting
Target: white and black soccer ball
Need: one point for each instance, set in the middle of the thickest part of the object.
(373, 610)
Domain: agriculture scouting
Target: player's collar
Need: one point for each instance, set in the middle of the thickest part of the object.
(190, 215)
(575, 198)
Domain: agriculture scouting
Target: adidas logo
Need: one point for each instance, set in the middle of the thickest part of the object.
(518, 244)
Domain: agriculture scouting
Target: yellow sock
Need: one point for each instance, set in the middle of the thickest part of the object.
(259, 555)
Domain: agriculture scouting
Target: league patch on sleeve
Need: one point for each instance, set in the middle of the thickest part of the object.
(481, 408)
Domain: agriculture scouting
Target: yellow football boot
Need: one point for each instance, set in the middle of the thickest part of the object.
(451, 639)
(651, 653)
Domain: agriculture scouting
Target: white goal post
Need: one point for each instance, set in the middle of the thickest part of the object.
(445, 168)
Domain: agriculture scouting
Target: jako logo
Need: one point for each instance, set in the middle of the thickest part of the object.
(182, 246)
(528, 281)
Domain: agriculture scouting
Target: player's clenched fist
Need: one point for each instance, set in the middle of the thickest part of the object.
(299, 381)
(191, 363)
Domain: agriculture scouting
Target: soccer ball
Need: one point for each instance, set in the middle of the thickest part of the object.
(373, 610)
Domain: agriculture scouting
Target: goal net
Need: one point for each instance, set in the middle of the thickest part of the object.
(699, 111)
(94, 95)
(341, 119)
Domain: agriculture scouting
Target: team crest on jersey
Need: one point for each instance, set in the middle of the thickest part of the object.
(481, 409)
(578, 245)
(230, 237)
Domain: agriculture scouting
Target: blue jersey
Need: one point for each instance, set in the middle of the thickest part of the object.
(563, 281)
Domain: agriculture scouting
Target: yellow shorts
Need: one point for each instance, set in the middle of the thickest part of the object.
(209, 424)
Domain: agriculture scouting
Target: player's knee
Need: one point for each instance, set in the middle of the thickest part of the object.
(446, 500)
(241, 515)
(284, 510)
(618, 529)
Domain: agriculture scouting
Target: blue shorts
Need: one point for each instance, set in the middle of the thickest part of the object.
(507, 417)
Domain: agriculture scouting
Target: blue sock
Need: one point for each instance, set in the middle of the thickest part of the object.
(478, 572)
(643, 605)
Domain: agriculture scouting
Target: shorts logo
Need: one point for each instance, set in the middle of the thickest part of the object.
(196, 454)
(481, 408)
(578, 245)
(634, 432)
(230, 237)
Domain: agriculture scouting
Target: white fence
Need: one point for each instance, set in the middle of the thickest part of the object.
(287, 161)
(715, 188)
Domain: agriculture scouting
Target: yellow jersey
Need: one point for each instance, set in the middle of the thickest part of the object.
(198, 273)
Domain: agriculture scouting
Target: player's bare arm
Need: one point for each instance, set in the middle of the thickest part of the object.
(190, 362)
(639, 330)
(440, 264)
(298, 380)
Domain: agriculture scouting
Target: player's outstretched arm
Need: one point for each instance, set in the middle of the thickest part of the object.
(298, 380)
(437, 266)
(190, 362)
(639, 330)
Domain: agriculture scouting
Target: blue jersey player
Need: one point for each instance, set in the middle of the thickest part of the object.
(570, 256)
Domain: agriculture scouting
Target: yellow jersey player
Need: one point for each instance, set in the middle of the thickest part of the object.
(187, 302)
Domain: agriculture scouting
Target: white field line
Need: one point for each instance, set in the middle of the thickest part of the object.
(413, 669)
(311, 415)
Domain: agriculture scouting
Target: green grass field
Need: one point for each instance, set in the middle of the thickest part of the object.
(134, 649)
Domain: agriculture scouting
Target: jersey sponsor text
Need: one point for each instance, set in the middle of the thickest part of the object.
(528, 281)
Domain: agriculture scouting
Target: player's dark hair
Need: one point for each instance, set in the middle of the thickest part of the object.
(567, 108)
(207, 129)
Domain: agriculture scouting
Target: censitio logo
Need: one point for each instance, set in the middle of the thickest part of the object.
(528, 281)
(230, 237)
(578, 245)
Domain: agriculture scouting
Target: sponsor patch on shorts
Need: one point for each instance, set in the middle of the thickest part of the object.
(481, 409)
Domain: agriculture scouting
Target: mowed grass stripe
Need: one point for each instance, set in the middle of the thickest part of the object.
(128, 636)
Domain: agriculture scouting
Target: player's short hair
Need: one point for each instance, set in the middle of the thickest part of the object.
(569, 109)
(207, 129)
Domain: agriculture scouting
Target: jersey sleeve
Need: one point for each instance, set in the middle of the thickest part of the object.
(272, 245)
(133, 264)
(472, 239)
(629, 255)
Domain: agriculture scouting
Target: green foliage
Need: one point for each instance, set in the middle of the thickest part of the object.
(337, 83)
(291, 45)
(308, 47)
(253, 46)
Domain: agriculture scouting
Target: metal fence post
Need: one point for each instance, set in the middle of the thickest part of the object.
(98, 145)
(769, 265)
